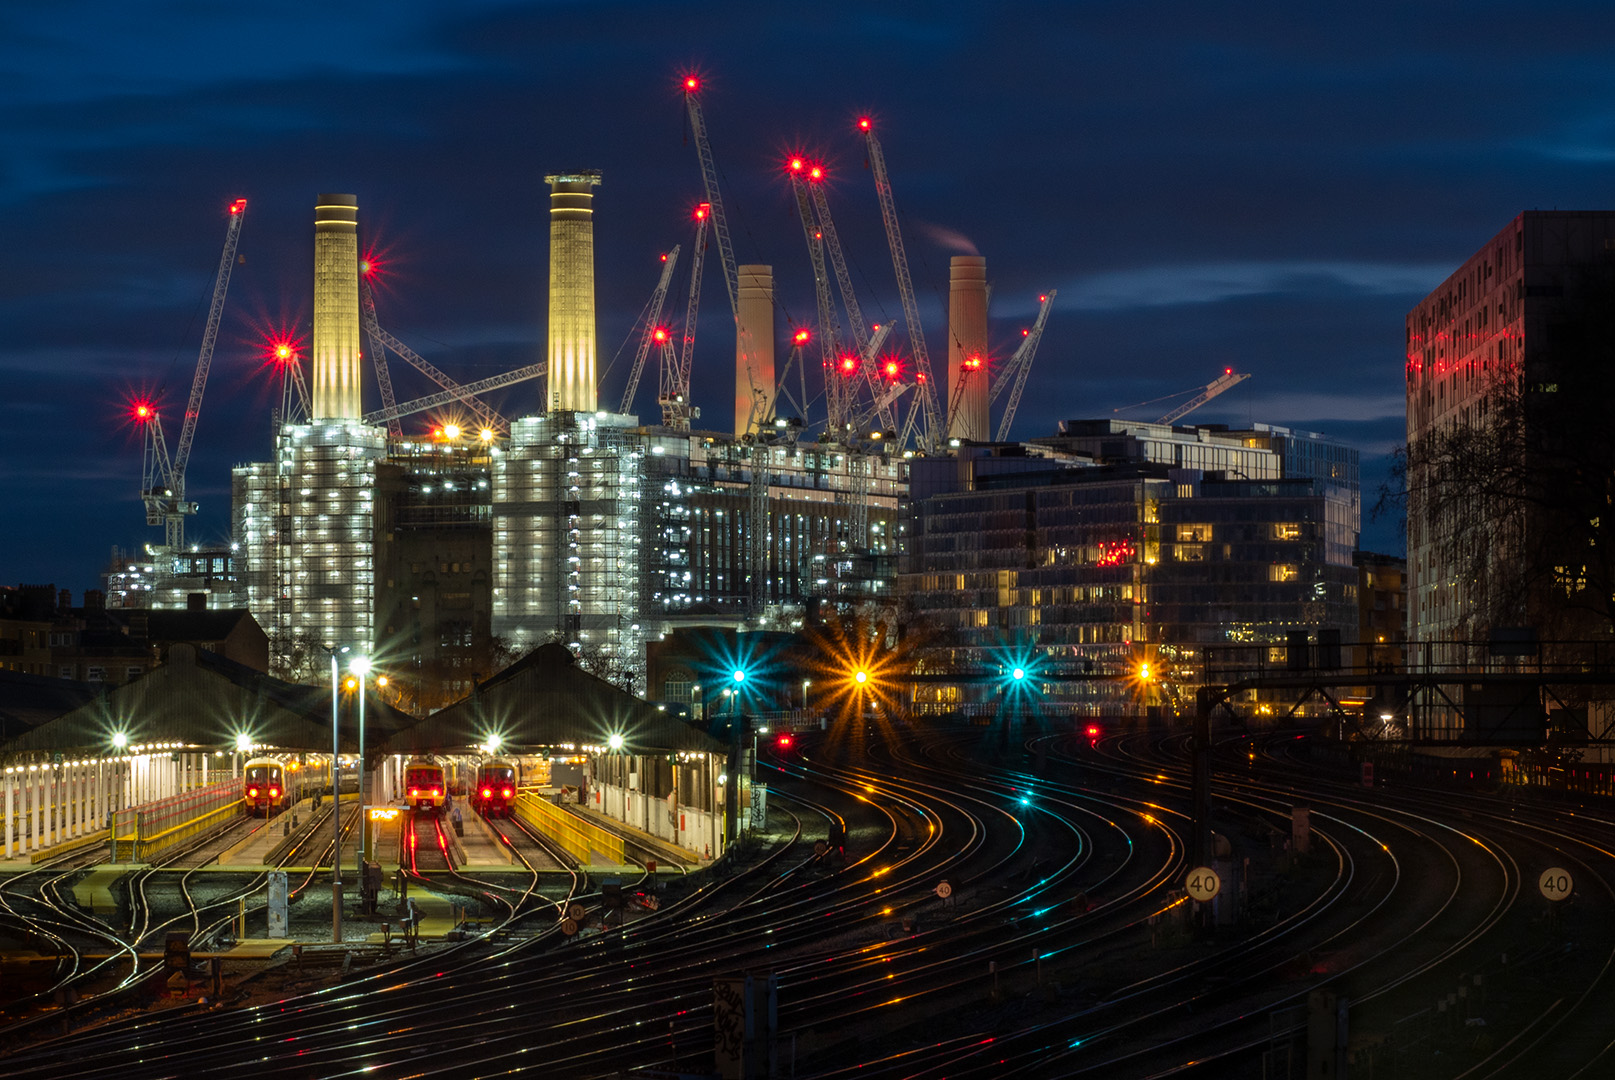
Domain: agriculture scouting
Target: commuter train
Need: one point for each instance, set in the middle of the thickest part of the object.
(264, 786)
(425, 786)
(494, 793)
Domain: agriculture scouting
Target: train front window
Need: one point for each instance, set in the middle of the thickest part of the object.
(259, 774)
(498, 776)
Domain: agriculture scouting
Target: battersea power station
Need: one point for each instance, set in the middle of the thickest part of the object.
(888, 488)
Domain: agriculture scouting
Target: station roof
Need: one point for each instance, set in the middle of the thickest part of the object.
(545, 699)
(200, 698)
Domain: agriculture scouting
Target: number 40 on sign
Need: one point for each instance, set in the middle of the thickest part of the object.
(1556, 883)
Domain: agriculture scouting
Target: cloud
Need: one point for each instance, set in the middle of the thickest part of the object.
(1210, 283)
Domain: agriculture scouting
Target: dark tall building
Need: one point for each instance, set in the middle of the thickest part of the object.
(1508, 388)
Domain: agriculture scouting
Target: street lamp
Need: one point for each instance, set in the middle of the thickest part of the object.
(336, 797)
(805, 684)
(360, 666)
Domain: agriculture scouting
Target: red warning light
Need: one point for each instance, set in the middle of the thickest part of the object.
(892, 369)
(863, 123)
(801, 337)
(816, 173)
(784, 742)
(702, 211)
(1227, 371)
(1025, 332)
(849, 364)
(659, 334)
(973, 363)
(664, 256)
(238, 206)
(1093, 731)
(142, 410)
(691, 84)
(797, 164)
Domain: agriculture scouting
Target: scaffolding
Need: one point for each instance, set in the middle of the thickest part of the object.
(306, 531)
(568, 535)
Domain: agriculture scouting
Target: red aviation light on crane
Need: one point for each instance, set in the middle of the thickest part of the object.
(142, 411)
(659, 334)
(973, 363)
(863, 123)
(816, 173)
(702, 211)
(238, 206)
(893, 369)
(796, 164)
(849, 365)
(801, 337)
(691, 84)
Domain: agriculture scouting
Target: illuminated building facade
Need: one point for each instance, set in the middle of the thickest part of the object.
(1112, 543)
(336, 360)
(572, 378)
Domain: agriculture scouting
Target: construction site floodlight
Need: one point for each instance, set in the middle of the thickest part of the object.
(359, 665)
(487, 434)
(451, 431)
(119, 740)
(243, 742)
(615, 741)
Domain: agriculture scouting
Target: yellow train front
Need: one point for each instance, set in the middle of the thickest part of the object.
(425, 786)
(494, 793)
(264, 786)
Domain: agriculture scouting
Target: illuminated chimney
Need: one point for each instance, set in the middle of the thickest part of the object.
(967, 348)
(336, 308)
(754, 349)
(571, 331)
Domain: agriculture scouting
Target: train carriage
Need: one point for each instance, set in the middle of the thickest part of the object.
(264, 786)
(425, 786)
(494, 793)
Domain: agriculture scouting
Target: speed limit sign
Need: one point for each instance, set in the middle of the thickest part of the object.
(1202, 883)
(944, 889)
(1556, 883)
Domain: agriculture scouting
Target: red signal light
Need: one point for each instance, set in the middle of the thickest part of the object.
(785, 742)
(1093, 731)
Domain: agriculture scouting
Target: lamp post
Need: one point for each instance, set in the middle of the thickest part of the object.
(360, 666)
(336, 809)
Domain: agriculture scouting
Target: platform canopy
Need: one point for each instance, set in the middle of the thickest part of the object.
(545, 699)
(201, 699)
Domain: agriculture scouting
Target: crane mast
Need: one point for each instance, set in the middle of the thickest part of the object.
(378, 353)
(674, 394)
(653, 318)
(837, 384)
(720, 227)
(925, 401)
(485, 416)
(163, 478)
(1019, 367)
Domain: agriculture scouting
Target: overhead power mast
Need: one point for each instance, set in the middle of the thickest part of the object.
(162, 486)
(925, 401)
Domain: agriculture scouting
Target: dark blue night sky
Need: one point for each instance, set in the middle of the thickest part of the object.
(1269, 189)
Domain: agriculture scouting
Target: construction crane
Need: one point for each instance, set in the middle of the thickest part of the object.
(720, 227)
(1019, 367)
(655, 332)
(838, 261)
(162, 485)
(378, 349)
(486, 417)
(925, 401)
(838, 383)
(459, 393)
(674, 393)
(1224, 382)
